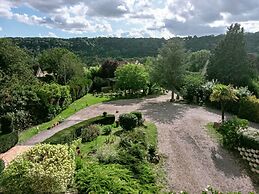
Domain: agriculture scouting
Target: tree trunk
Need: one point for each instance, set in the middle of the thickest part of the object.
(222, 112)
(172, 97)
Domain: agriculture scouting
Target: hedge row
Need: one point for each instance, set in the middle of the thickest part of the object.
(245, 108)
(2, 166)
(71, 133)
(7, 141)
(250, 138)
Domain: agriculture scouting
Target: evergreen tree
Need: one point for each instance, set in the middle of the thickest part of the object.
(229, 63)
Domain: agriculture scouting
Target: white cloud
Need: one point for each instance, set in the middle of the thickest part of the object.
(156, 18)
(1, 28)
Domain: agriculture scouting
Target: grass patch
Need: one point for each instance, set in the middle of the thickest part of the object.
(151, 133)
(213, 132)
(77, 105)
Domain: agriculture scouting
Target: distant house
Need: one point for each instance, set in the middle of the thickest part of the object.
(41, 73)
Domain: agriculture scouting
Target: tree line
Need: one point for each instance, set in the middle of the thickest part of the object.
(96, 50)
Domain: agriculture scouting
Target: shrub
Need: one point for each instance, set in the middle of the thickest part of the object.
(111, 178)
(133, 137)
(139, 116)
(132, 147)
(128, 121)
(71, 133)
(43, 169)
(6, 123)
(7, 141)
(107, 130)
(192, 87)
(231, 131)
(249, 108)
(107, 154)
(250, 138)
(2, 166)
(90, 133)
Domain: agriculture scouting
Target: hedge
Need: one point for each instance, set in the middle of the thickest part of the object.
(7, 141)
(249, 109)
(250, 138)
(71, 133)
(2, 166)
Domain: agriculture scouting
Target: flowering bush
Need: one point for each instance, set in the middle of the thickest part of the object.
(43, 169)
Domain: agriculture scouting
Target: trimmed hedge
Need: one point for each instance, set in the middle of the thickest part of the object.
(250, 138)
(128, 121)
(71, 133)
(2, 166)
(7, 141)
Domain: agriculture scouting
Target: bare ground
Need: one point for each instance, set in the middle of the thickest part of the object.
(193, 159)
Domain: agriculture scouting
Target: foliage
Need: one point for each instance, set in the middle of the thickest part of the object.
(108, 68)
(53, 98)
(229, 63)
(98, 178)
(107, 129)
(128, 121)
(197, 60)
(139, 116)
(231, 131)
(7, 141)
(2, 166)
(6, 123)
(77, 105)
(248, 109)
(79, 86)
(133, 147)
(222, 93)
(168, 68)
(62, 63)
(90, 133)
(71, 133)
(192, 87)
(44, 168)
(131, 77)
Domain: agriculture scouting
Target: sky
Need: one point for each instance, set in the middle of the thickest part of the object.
(125, 18)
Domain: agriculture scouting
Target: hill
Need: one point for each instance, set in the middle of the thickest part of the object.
(92, 50)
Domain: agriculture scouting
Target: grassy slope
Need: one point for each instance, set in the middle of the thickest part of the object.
(79, 104)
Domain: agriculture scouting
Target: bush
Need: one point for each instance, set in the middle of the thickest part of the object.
(139, 116)
(2, 166)
(231, 131)
(249, 108)
(71, 133)
(43, 169)
(128, 121)
(192, 87)
(250, 138)
(111, 178)
(90, 133)
(6, 123)
(107, 130)
(132, 147)
(107, 154)
(7, 141)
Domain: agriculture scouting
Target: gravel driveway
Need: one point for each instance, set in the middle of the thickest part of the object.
(193, 159)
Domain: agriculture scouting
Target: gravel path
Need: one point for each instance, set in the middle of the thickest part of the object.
(193, 159)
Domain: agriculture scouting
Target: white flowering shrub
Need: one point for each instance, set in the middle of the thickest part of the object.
(43, 169)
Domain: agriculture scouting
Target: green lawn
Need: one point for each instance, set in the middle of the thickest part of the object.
(213, 132)
(79, 104)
